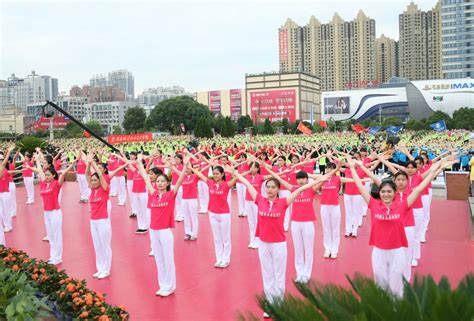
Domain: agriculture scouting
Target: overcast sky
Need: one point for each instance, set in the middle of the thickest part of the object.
(200, 45)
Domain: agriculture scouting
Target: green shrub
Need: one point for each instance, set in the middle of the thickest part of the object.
(29, 143)
(18, 299)
(365, 301)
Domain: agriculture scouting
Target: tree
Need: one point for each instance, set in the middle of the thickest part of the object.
(285, 124)
(117, 130)
(392, 121)
(170, 113)
(268, 128)
(413, 124)
(244, 122)
(463, 118)
(134, 120)
(219, 123)
(228, 128)
(29, 143)
(95, 127)
(437, 116)
(203, 128)
(73, 130)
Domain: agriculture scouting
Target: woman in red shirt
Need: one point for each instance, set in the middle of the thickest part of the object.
(272, 249)
(219, 212)
(28, 178)
(81, 177)
(50, 185)
(387, 234)
(4, 194)
(242, 167)
(101, 229)
(256, 179)
(162, 203)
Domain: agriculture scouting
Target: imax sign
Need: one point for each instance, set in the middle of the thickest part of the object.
(461, 85)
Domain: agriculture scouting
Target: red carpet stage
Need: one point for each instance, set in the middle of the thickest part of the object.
(204, 292)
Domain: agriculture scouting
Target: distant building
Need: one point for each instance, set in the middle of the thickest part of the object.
(153, 96)
(98, 94)
(227, 102)
(108, 114)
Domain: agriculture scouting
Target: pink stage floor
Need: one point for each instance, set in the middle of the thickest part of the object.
(206, 293)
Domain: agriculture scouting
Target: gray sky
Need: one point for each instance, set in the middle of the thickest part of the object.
(200, 45)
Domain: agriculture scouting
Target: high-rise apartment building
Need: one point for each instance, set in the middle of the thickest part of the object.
(341, 53)
(122, 79)
(386, 58)
(153, 96)
(457, 38)
(420, 43)
(98, 94)
(20, 92)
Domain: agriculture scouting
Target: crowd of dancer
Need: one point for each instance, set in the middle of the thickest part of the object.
(277, 180)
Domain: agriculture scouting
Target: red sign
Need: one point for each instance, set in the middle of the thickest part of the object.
(304, 129)
(215, 101)
(283, 39)
(235, 103)
(118, 139)
(59, 122)
(273, 104)
(362, 84)
(358, 128)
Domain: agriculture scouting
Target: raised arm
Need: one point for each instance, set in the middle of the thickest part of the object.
(62, 177)
(5, 161)
(103, 182)
(369, 173)
(146, 178)
(291, 198)
(114, 172)
(357, 180)
(287, 185)
(252, 191)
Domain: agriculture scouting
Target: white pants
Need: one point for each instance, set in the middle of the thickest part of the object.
(354, 205)
(113, 186)
(252, 216)
(365, 206)
(220, 225)
(273, 265)
(426, 200)
(2, 214)
(189, 211)
(30, 189)
(5, 210)
(53, 221)
(388, 267)
(241, 189)
(303, 241)
(418, 215)
(178, 212)
(229, 200)
(101, 231)
(203, 192)
(122, 194)
(141, 200)
(410, 233)
(286, 224)
(12, 189)
(84, 189)
(133, 201)
(163, 243)
(331, 221)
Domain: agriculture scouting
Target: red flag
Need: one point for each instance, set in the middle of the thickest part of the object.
(323, 124)
(304, 129)
(358, 128)
(86, 134)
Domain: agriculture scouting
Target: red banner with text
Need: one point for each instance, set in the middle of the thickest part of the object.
(118, 139)
(283, 39)
(59, 122)
(235, 103)
(274, 105)
(215, 101)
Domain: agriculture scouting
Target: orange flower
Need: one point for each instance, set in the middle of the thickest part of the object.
(61, 295)
(88, 299)
(62, 282)
(77, 301)
(44, 278)
(15, 268)
(71, 288)
(42, 270)
(13, 259)
(35, 270)
(98, 304)
(104, 318)
(6, 259)
(100, 296)
(121, 307)
(34, 277)
(102, 310)
(75, 295)
(84, 315)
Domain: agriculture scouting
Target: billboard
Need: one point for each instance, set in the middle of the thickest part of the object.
(283, 40)
(235, 103)
(336, 105)
(215, 101)
(59, 122)
(273, 104)
(118, 139)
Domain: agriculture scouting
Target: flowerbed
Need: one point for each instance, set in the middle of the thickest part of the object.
(70, 295)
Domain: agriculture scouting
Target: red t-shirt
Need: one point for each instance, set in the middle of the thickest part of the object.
(243, 168)
(162, 210)
(98, 201)
(4, 182)
(271, 217)
(189, 184)
(138, 183)
(112, 163)
(263, 169)
(57, 165)
(174, 176)
(28, 172)
(408, 219)
(218, 197)
(413, 182)
(256, 181)
(81, 167)
(285, 177)
(330, 191)
(351, 188)
(309, 167)
(303, 206)
(11, 167)
(387, 231)
(119, 163)
(49, 192)
(423, 170)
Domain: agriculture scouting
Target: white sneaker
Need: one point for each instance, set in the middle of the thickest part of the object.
(103, 275)
(224, 265)
(151, 253)
(121, 204)
(333, 256)
(217, 264)
(414, 262)
(55, 262)
(29, 203)
(45, 239)
(326, 254)
(6, 229)
(158, 292)
(14, 214)
(266, 315)
(423, 239)
(96, 274)
(164, 293)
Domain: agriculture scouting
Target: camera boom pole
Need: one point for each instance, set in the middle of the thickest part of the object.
(78, 123)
